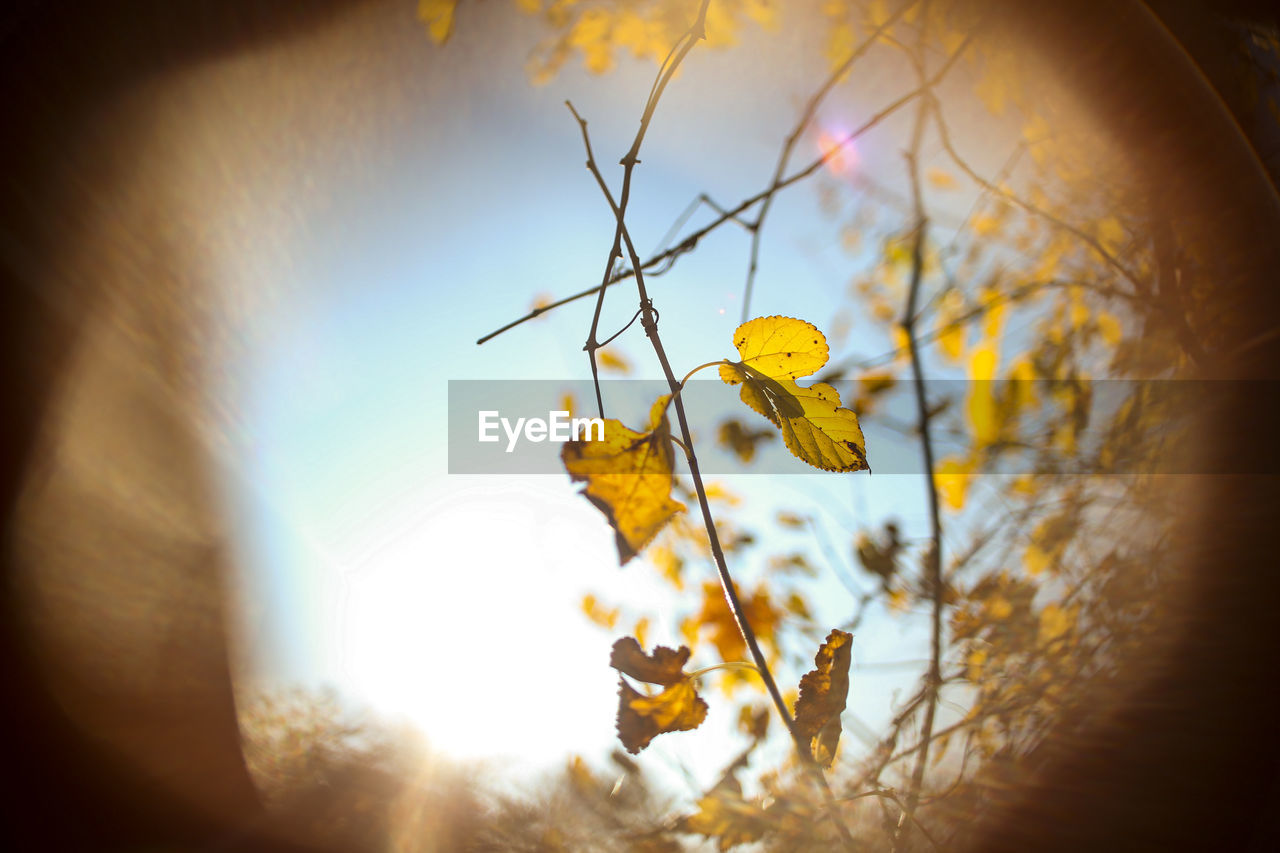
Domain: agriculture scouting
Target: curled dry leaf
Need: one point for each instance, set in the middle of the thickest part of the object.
(629, 478)
(776, 351)
(823, 693)
(677, 708)
(665, 666)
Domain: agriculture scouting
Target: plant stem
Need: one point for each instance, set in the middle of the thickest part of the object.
(933, 562)
(668, 256)
(784, 156)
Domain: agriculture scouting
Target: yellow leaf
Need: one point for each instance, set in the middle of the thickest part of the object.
(982, 364)
(841, 40)
(1023, 484)
(877, 13)
(599, 614)
(951, 333)
(541, 302)
(741, 439)
(941, 179)
(993, 312)
(718, 492)
(977, 658)
(1111, 234)
(725, 816)
(775, 351)
(778, 347)
(983, 412)
(1109, 328)
(610, 360)
(985, 225)
(438, 16)
(823, 694)
(641, 718)
(993, 91)
(1079, 315)
(628, 477)
(668, 563)
(790, 519)
(901, 341)
(999, 607)
(1036, 559)
(641, 630)
(726, 636)
(952, 480)
(1055, 622)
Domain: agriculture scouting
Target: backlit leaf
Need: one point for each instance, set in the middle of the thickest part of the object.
(642, 718)
(610, 360)
(779, 347)
(438, 17)
(724, 815)
(951, 332)
(665, 666)
(628, 477)
(823, 694)
(776, 351)
(941, 179)
(716, 616)
(677, 708)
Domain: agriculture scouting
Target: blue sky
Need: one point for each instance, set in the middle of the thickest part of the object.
(454, 600)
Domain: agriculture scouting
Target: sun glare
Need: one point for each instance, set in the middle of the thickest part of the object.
(462, 617)
(842, 156)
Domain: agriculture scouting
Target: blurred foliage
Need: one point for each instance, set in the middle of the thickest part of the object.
(1059, 275)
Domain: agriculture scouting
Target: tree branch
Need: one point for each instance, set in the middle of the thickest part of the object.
(784, 156)
(668, 256)
(933, 561)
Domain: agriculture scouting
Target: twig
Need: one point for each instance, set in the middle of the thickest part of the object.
(650, 324)
(837, 370)
(694, 34)
(933, 563)
(702, 199)
(1186, 337)
(784, 156)
(690, 242)
(889, 794)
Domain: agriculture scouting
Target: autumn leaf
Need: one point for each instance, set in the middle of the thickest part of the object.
(610, 360)
(628, 477)
(741, 439)
(775, 351)
(716, 617)
(823, 693)
(437, 15)
(724, 815)
(665, 666)
(677, 708)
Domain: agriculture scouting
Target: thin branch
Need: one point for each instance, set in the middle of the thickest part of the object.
(695, 33)
(837, 370)
(933, 562)
(618, 334)
(702, 199)
(650, 325)
(784, 156)
(889, 794)
(1179, 320)
(690, 242)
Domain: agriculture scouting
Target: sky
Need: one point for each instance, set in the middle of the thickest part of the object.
(453, 600)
